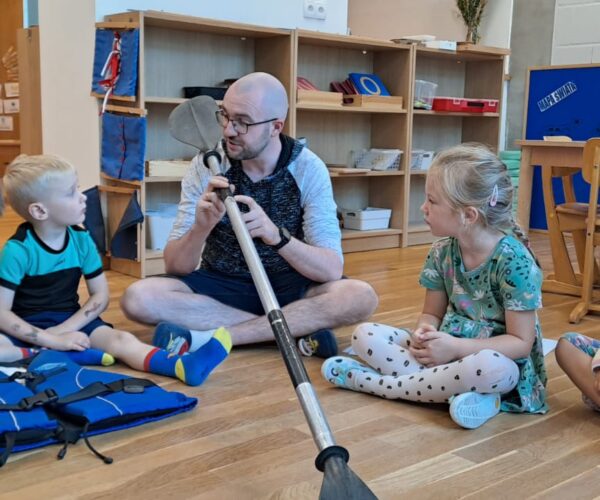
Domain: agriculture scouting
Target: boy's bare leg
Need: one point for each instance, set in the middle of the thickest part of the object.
(192, 368)
(124, 346)
(8, 351)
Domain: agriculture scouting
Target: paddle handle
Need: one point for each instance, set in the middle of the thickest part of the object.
(304, 390)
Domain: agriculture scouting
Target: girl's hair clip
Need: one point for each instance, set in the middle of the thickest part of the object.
(494, 196)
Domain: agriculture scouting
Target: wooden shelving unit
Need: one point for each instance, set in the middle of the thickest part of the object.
(473, 72)
(178, 51)
(333, 132)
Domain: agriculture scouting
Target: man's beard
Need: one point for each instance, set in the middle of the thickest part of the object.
(249, 152)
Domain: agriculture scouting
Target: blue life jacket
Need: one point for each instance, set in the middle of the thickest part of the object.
(57, 401)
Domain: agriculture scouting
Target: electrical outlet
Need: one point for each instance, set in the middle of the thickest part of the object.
(315, 9)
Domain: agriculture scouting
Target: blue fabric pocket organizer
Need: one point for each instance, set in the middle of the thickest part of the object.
(126, 83)
(94, 222)
(125, 240)
(123, 146)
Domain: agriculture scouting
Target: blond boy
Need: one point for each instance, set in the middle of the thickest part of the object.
(40, 269)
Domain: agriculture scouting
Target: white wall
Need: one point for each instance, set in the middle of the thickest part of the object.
(495, 32)
(274, 13)
(496, 23)
(70, 125)
(576, 32)
(69, 113)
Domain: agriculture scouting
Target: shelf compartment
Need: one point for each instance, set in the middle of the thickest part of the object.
(433, 131)
(418, 233)
(375, 239)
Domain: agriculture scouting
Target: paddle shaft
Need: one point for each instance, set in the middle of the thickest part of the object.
(304, 390)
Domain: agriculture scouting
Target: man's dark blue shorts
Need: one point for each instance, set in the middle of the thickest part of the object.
(48, 319)
(239, 292)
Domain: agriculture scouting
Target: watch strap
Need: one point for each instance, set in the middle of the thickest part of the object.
(285, 238)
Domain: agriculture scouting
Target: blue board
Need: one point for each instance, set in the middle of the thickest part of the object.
(562, 101)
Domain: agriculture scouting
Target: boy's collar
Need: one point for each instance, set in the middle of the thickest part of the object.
(36, 236)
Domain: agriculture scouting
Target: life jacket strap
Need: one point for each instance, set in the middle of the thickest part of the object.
(45, 397)
(128, 385)
(9, 440)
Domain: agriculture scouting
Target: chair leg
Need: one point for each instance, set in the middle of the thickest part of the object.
(578, 312)
(579, 243)
(587, 287)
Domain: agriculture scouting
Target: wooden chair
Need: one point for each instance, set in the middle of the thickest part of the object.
(568, 217)
(591, 174)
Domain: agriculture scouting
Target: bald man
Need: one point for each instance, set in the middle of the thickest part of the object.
(285, 194)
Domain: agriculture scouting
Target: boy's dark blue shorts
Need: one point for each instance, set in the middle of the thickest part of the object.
(48, 319)
(239, 292)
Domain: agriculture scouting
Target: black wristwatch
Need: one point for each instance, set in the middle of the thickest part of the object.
(285, 236)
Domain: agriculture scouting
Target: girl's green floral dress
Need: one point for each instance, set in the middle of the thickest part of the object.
(509, 279)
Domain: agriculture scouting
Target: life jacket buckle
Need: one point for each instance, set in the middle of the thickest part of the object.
(41, 398)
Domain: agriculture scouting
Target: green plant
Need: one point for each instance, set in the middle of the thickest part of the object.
(471, 12)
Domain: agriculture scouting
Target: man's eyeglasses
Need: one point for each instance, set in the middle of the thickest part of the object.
(239, 126)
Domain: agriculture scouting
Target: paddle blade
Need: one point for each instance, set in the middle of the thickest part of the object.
(340, 483)
(193, 122)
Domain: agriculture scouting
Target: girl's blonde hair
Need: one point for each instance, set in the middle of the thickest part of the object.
(471, 175)
(27, 180)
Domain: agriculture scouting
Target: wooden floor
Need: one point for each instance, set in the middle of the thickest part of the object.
(248, 438)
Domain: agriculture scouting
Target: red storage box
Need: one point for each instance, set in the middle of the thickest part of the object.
(464, 105)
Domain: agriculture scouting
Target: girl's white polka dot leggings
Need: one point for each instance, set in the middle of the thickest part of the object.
(401, 376)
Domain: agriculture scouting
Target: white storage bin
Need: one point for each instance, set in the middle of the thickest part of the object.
(427, 159)
(158, 226)
(368, 218)
(416, 158)
(421, 159)
(377, 159)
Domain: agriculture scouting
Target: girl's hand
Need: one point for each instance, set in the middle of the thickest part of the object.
(417, 336)
(437, 348)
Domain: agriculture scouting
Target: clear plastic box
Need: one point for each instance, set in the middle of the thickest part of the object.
(424, 94)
